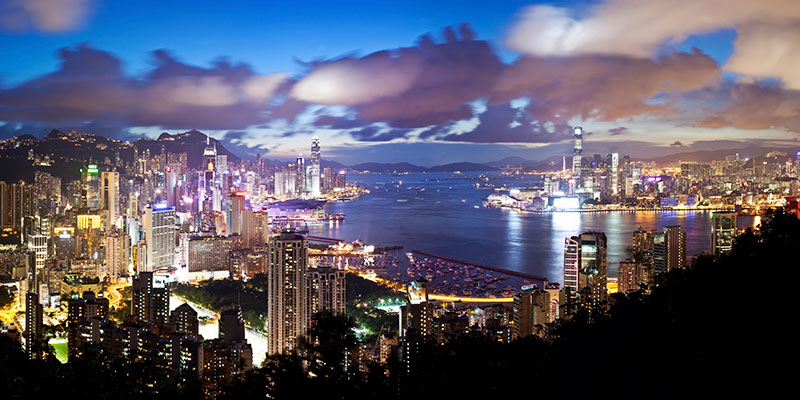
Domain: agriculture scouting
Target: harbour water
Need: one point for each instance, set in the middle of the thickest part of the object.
(447, 218)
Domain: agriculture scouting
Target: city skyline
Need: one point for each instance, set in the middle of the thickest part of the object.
(355, 91)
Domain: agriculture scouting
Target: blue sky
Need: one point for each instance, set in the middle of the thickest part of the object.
(275, 101)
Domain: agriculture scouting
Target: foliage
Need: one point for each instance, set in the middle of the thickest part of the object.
(6, 297)
(218, 294)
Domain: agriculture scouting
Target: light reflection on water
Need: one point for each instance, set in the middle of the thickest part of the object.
(444, 221)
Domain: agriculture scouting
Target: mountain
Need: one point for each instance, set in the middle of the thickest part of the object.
(513, 161)
(192, 143)
(706, 156)
(462, 166)
(383, 167)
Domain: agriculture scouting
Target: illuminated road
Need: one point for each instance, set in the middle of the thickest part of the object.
(114, 295)
(7, 314)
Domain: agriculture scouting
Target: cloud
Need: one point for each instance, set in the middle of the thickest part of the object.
(602, 87)
(618, 131)
(766, 44)
(90, 85)
(429, 83)
(502, 123)
(45, 15)
(378, 134)
(758, 106)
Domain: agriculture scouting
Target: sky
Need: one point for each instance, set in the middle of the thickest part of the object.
(418, 81)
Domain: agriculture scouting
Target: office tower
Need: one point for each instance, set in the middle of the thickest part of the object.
(208, 176)
(117, 254)
(723, 232)
(327, 286)
(556, 299)
(341, 180)
(185, 319)
(300, 177)
(643, 256)
(288, 303)
(150, 298)
(235, 213)
(159, 236)
(592, 277)
(577, 152)
(38, 244)
(231, 324)
(90, 178)
(572, 253)
(208, 254)
(626, 276)
(222, 163)
(109, 198)
(316, 159)
(279, 184)
(260, 228)
(327, 179)
(531, 311)
(33, 311)
(612, 173)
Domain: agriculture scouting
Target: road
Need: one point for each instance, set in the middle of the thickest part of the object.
(114, 295)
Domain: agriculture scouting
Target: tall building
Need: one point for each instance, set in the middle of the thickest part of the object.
(150, 298)
(531, 311)
(417, 315)
(38, 244)
(577, 152)
(288, 303)
(235, 213)
(593, 271)
(80, 310)
(159, 236)
(327, 287)
(316, 160)
(612, 173)
(572, 253)
(33, 311)
(208, 177)
(627, 277)
(300, 185)
(109, 198)
(723, 232)
(669, 249)
(17, 200)
(118, 245)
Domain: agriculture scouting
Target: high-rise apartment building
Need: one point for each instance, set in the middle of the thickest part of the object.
(572, 252)
(33, 311)
(531, 311)
(627, 276)
(288, 303)
(327, 290)
(669, 249)
(231, 324)
(118, 252)
(723, 232)
(150, 298)
(185, 319)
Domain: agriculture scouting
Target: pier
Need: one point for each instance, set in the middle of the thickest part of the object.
(487, 267)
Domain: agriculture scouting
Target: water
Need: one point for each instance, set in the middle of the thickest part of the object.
(443, 219)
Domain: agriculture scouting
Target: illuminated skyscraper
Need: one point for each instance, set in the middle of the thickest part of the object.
(593, 272)
(208, 176)
(300, 177)
(327, 288)
(577, 154)
(109, 197)
(669, 249)
(288, 302)
(159, 236)
(33, 311)
(612, 173)
(315, 167)
(572, 252)
(723, 231)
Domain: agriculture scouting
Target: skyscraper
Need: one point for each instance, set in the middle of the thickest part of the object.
(185, 319)
(593, 271)
(231, 324)
(531, 308)
(159, 236)
(208, 176)
(315, 167)
(612, 173)
(723, 231)
(288, 303)
(572, 252)
(577, 153)
(109, 197)
(33, 311)
(150, 298)
(117, 254)
(300, 185)
(235, 213)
